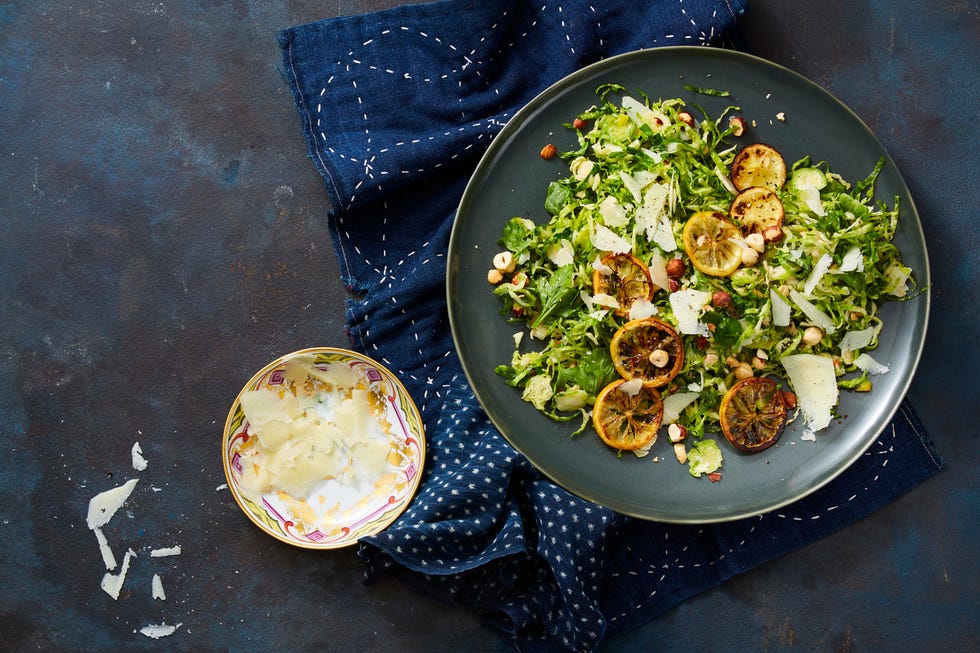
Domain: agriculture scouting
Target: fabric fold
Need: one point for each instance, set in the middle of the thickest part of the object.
(397, 107)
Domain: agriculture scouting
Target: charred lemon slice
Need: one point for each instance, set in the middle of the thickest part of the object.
(626, 420)
(752, 414)
(758, 164)
(647, 349)
(712, 243)
(628, 280)
(759, 211)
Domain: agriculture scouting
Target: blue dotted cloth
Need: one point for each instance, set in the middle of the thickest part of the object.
(397, 107)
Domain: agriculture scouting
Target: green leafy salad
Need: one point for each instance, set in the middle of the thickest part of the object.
(688, 277)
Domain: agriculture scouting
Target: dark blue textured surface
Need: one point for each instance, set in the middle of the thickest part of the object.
(163, 236)
(554, 570)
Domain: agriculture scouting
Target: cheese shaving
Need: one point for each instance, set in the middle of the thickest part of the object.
(168, 551)
(103, 506)
(139, 462)
(156, 588)
(322, 424)
(156, 631)
(815, 384)
(605, 240)
(112, 583)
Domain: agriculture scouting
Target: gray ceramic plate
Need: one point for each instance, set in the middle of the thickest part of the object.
(511, 180)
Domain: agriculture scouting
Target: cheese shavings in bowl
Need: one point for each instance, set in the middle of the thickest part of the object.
(322, 447)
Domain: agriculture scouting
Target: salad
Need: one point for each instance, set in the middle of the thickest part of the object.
(688, 277)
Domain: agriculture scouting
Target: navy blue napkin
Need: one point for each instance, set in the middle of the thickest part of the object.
(397, 108)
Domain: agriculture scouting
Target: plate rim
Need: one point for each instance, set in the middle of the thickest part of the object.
(523, 115)
(392, 514)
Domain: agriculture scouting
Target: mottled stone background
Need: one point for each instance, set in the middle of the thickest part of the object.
(162, 236)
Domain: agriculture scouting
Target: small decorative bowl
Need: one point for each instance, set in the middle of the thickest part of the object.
(320, 520)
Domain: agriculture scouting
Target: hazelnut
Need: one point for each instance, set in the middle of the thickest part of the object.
(686, 118)
(680, 452)
(749, 256)
(711, 359)
(738, 125)
(721, 299)
(549, 151)
(772, 234)
(812, 335)
(676, 432)
(756, 242)
(676, 268)
(504, 261)
(494, 276)
(659, 358)
(519, 279)
(578, 123)
(789, 399)
(743, 372)
(673, 285)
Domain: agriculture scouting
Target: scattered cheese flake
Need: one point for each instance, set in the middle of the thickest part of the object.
(815, 384)
(657, 267)
(632, 185)
(157, 588)
(139, 462)
(819, 269)
(612, 212)
(650, 215)
(870, 365)
(601, 267)
(107, 557)
(781, 117)
(605, 240)
(854, 340)
(602, 299)
(112, 583)
(103, 506)
(517, 338)
(687, 305)
(641, 113)
(631, 387)
(154, 631)
(811, 197)
(641, 308)
(818, 317)
(676, 403)
(223, 486)
(561, 254)
(663, 235)
(167, 551)
(808, 436)
(780, 309)
(853, 260)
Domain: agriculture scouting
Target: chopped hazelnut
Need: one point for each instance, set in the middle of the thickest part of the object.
(549, 151)
(680, 452)
(504, 261)
(675, 268)
(812, 335)
(494, 276)
(738, 125)
(743, 372)
(676, 432)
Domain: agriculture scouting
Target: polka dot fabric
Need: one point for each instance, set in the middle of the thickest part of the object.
(397, 107)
